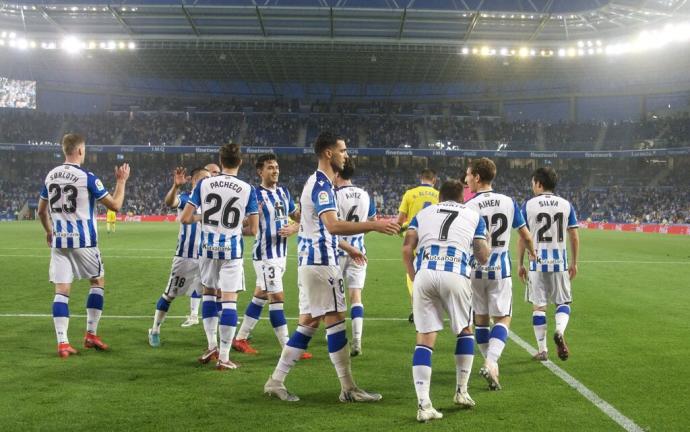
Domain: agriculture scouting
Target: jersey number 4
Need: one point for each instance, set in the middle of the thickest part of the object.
(230, 218)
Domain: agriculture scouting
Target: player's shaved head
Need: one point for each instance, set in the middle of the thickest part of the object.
(213, 169)
(230, 156)
(70, 143)
(546, 177)
(451, 190)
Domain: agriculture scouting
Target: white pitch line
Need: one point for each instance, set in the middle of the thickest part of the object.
(604, 406)
(167, 257)
(608, 409)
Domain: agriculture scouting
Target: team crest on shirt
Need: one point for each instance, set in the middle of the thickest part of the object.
(324, 198)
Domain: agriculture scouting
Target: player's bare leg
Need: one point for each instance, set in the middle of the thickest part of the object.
(357, 317)
(495, 345)
(61, 319)
(539, 324)
(94, 310)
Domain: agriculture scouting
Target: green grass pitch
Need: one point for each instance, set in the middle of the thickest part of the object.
(628, 334)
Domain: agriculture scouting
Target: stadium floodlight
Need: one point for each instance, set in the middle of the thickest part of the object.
(504, 51)
(133, 46)
(92, 45)
(71, 44)
(121, 45)
(3, 34)
(523, 52)
(2, 42)
(111, 45)
(13, 35)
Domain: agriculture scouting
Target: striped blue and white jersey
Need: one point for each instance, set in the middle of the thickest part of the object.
(190, 234)
(72, 192)
(275, 205)
(354, 205)
(224, 200)
(500, 214)
(315, 245)
(446, 231)
(548, 218)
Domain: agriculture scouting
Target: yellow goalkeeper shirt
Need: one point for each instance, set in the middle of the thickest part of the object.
(416, 199)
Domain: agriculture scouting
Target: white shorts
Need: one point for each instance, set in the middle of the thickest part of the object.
(548, 287)
(225, 275)
(185, 277)
(353, 273)
(437, 291)
(321, 290)
(81, 263)
(492, 297)
(269, 274)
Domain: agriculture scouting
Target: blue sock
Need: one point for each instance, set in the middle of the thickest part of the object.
(300, 338)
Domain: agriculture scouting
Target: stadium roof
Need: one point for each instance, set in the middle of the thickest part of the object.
(330, 40)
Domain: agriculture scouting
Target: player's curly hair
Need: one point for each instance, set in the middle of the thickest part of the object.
(547, 177)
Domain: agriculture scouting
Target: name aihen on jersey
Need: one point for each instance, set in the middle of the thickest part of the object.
(445, 233)
(316, 246)
(225, 201)
(276, 206)
(548, 217)
(189, 234)
(72, 192)
(355, 205)
(500, 213)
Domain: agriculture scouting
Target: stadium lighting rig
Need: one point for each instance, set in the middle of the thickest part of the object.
(69, 44)
(648, 40)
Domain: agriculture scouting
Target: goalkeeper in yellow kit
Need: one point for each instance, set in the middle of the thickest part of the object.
(413, 201)
(110, 219)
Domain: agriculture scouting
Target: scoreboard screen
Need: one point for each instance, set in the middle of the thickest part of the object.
(17, 93)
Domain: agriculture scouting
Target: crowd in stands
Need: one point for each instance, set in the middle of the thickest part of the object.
(624, 197)
(374, 125)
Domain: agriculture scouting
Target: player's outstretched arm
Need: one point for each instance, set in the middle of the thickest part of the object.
(526, 237)
(340, 227)
(179, 179)
(574, 238)
(44, 216)
(408, 248)
(481, 250)
(114, 202)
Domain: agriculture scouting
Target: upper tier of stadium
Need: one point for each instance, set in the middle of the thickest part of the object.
(365, 41)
